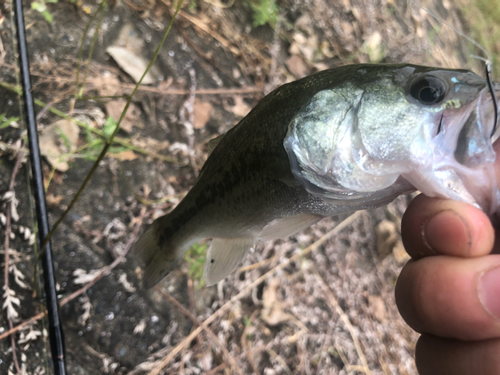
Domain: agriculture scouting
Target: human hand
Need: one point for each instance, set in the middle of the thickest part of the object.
(450, 291)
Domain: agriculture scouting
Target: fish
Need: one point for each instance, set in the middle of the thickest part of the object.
(345, 139)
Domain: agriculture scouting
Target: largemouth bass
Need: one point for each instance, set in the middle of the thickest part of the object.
(341, 140)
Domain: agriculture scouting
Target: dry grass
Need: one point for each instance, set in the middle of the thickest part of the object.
(483, 17)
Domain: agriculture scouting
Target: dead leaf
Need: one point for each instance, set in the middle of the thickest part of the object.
(132, 64)
(202, 113)
(305, 46)
(53, 145)
(273, 312)
(326, 49)
(53, 200)
(131, 119)
(151, 144)
(373, 47)
(305, 24)
(400, 253)
(319, 66)
(240, 108)
(124, 155)
(130, 38)
(236, 73)
(164, 85)
(347, 28)
(297, 66)
(387, 237)
(109, 85)
(377, 307)
(305, 41)
(146, 190)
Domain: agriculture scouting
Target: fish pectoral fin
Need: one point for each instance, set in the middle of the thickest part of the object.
(223, 257)
(287, 226)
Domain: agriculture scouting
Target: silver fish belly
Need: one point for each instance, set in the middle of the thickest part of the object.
(344, 139)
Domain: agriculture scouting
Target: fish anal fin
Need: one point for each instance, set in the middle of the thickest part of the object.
(287, 226)
(223, 257)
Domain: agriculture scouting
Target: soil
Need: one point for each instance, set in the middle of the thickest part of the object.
(215, 65)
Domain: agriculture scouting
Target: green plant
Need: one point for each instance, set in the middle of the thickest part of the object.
(41, 6)
(195, 258)
(264, 11)
(6, 121)
(95, 144)
(193, 4)
(247, 321)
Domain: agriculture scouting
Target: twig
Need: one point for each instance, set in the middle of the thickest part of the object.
(343, 358)
(214, 370)
(206, 329)
(104, 272)
(202, 26)
(248, 352)
(191, 299)
(221, 91)
(188, 121)
(334, 305)
(327, 334)
(19, 159)
(281, 361)
(82, 43)
(44, 110)
(178, 348)
(255, 265)
(170, 91)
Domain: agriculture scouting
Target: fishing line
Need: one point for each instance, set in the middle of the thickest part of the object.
(488, 60)
(491, 89)
(492, 92)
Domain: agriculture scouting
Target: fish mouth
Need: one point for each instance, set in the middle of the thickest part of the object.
(473, 142)
(463, 161)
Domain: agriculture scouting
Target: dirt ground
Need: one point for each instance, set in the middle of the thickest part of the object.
(329, 312)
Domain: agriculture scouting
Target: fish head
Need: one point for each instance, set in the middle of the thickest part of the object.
(390, 129)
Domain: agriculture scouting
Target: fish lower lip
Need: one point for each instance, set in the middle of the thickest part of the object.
(496, 144)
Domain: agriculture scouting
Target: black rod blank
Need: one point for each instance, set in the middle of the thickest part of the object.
(55, 328)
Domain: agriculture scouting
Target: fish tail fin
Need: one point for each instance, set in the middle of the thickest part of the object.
(157, 255)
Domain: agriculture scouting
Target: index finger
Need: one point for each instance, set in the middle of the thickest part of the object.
(432, 226)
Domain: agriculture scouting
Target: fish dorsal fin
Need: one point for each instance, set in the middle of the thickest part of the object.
(223, 257)
(287, 226)
(212, 144)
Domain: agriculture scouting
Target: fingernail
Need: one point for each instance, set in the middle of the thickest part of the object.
(447, 230)
(489, 291)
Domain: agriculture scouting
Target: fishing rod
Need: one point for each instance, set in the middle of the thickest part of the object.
(56, 336)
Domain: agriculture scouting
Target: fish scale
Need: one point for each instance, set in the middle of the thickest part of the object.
(344, 139)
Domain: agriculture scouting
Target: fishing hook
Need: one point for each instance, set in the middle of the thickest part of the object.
(493, 96)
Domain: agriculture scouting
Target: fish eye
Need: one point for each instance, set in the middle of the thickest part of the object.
(428, 90)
